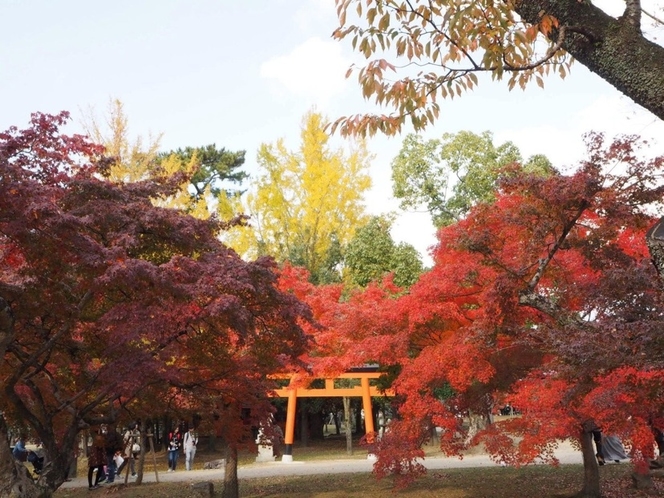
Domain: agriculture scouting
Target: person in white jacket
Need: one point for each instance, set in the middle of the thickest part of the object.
(189, 443)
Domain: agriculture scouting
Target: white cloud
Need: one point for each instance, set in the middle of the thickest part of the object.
(314, 70)
(563, 147)
(316, 16)
(615, 114)
(612, 7)
(612, 115)
(416, 228)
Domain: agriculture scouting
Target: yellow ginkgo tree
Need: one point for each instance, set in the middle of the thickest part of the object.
(134, 158)
(305, 205)
(208, 171)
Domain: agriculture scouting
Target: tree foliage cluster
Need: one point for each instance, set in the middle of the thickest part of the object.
(372, 253)
(544, 297)
(304, 206)
(558, 266)
(421, 51)
(210, 175)
(111, 304)
(451, 175)
(307, 207)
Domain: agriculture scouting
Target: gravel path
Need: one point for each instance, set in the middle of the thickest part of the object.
(565, 453)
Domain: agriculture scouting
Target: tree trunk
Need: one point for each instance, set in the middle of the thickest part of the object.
(6, 328)
(476, 423)
(337, 422)
(433, 439)
(304, 424)
(212, 442)
(15, 481)
(358, 418)
(614, 49)
(231, 485)
(590, 467)
(655, 242)
(140, 464)
(349, 426)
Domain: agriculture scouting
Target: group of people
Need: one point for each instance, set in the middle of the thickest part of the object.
(176, 441)
(110, 453)
(22, 454)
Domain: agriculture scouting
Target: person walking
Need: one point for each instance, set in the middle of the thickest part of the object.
(132, 448)
(112, 447)
(96, 458)
(190, 442)
(174, 443)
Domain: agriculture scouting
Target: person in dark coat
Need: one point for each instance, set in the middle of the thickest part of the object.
(113, 444)
(96, 458)
(19, 451)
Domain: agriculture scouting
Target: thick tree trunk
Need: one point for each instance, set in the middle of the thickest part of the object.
(349, 426)
(9, 486)
(614, 49)
(140, 464)
(655, 242)
(590, 467)
(59, 456)
(15, 480)
(18, 483)
(231, 484)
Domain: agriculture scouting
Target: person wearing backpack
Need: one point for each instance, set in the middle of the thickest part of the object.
(190, 442)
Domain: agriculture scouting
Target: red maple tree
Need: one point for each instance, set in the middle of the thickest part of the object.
(546, 298)
(105, 297)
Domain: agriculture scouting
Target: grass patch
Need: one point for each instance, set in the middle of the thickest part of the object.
(536, 481)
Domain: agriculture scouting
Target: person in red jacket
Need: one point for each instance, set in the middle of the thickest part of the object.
(174, 443)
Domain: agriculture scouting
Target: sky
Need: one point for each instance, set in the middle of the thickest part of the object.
(242, 73)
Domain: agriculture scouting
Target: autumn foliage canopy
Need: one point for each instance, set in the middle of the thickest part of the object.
(112, 305)
(546, 299)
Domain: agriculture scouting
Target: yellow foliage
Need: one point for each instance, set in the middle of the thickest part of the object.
(134, 159)
(302, 200)
(183, 199)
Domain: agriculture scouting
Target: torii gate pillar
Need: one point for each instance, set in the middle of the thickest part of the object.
(366, 404)
(289, 436)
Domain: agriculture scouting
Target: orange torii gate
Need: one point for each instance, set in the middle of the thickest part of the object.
(364, 390)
